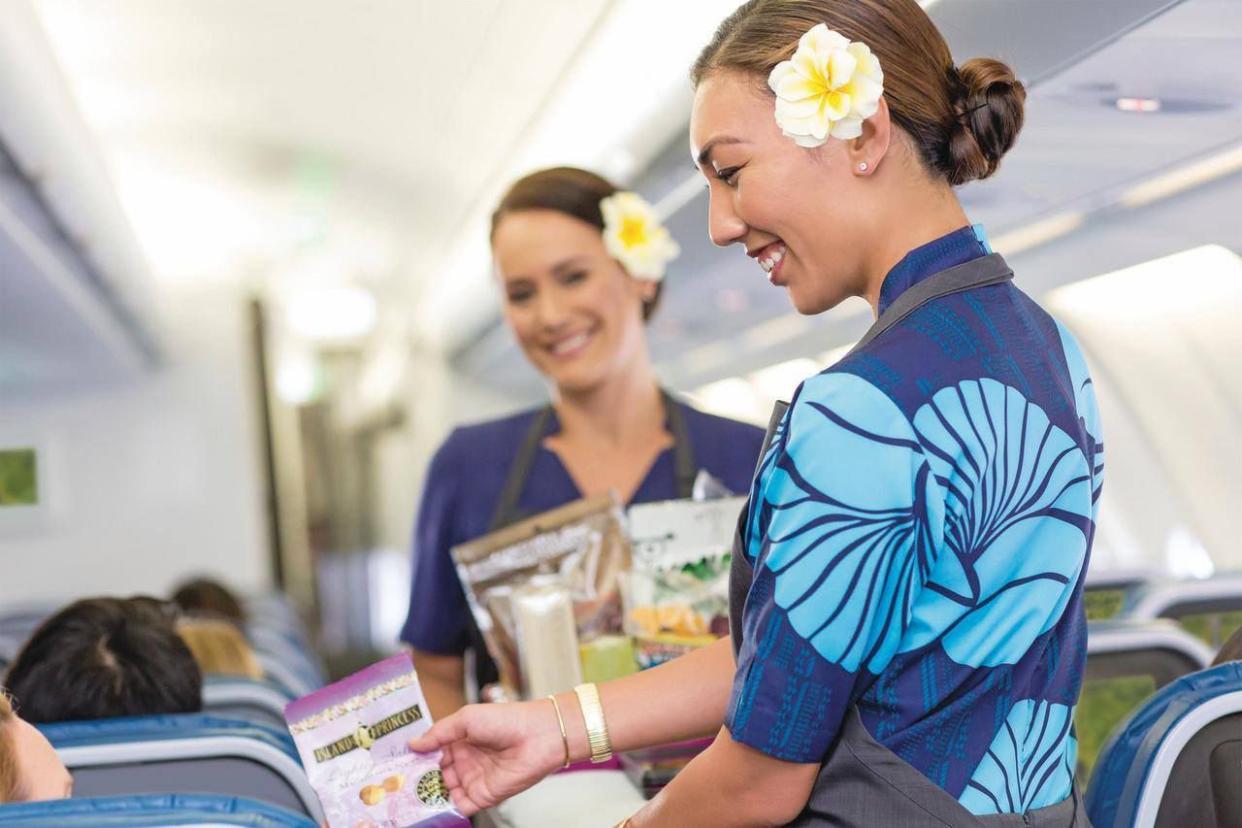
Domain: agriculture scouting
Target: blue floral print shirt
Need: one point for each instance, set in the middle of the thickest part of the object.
(919, 530)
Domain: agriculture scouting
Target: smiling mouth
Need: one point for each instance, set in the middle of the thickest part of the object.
(770, 259)
(571, 346)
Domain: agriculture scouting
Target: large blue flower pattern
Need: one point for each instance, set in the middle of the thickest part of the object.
(1030, 763)
(1013, 483)
(848, 538)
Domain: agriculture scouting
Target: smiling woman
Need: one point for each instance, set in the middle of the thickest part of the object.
(580, 265)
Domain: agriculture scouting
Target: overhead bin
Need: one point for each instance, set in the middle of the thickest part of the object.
(74, 288)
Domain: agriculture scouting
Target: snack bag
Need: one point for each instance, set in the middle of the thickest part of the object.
(585, 545)
(352, 737)
(677, 595)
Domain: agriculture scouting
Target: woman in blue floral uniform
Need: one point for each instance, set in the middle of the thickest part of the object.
(908, 633)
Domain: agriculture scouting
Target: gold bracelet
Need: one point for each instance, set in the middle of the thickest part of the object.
(561, 723)
(593, 718)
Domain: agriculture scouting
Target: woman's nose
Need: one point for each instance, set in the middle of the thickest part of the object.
(551, 310)
(724, 226)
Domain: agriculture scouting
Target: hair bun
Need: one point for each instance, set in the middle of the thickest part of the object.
(989, 102)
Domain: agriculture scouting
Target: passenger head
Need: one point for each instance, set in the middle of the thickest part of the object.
(104, 657)
(219, 647)
(576, 311)
(204, 596)
(30, 770)
(834, 206)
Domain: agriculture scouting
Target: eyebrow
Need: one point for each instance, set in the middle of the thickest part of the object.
(566, 264)
(705, 154)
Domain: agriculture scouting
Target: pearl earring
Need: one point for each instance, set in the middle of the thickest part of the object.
(863, 167)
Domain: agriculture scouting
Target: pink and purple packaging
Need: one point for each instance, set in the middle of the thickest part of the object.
(352, 737)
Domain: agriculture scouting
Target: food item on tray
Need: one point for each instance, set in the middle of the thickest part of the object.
(583, 543)
(678, 589)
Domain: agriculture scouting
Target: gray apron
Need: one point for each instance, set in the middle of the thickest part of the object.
(507, 511)
(863, 784)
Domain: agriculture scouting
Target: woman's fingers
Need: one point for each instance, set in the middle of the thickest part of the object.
(443, 732)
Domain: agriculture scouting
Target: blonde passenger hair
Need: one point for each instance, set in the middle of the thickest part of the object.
(10, 781)
(219, 647)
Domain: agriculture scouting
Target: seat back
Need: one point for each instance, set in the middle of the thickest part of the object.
(200, 810)
(1175, 761)
(231, 697)
(1127, 662)
(1210, 608)
(1107, 592)
(186, 753)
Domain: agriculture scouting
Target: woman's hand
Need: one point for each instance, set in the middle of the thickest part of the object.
(493, 751)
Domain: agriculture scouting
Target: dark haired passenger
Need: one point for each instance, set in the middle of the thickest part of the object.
(581, 267)
(100, 658)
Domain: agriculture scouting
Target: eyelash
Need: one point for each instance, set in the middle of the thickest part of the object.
(729, 176)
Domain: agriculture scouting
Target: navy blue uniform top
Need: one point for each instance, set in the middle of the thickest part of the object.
(919, 530)
(463, 488)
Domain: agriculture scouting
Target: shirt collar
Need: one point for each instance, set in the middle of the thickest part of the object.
(948, 251)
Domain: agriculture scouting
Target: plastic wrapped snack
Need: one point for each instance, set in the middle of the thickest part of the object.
(584, 543)
(677, 595)
(352, 738)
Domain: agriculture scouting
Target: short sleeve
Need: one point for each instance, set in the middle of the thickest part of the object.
(842, 538)
(439, 617)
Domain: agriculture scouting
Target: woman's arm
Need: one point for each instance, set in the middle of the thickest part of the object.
(443, 679)
(731, 784)
(682, 699)
(493, 751)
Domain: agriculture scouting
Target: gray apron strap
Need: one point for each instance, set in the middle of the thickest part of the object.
(980, 272)
(506, 511)
(684, 467)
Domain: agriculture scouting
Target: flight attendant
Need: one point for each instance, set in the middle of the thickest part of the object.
(580, 266)
(908, 632)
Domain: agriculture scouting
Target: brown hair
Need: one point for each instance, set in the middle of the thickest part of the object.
(569, 190)
(10, 779)
(205, 595)
(219, 647)
(961, 119)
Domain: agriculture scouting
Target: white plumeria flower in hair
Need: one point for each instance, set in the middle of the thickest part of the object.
(634, 236)
(827, 89)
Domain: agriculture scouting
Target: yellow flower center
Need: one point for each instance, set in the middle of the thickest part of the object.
(633, 232)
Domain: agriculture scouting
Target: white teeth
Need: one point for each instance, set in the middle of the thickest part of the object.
(570, 344)
(773, 259)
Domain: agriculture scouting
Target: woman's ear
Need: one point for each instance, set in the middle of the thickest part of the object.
(868, 151)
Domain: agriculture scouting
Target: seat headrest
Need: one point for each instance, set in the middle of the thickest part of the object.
(1127, 759)
(151, 810)
(155, 728)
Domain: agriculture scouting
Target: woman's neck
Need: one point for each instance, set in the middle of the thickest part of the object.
(627, 409)
(924, 215)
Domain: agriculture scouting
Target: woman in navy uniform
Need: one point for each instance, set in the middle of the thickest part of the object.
(577, 304)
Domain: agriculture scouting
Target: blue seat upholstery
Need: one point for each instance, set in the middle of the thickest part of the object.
(1176, 760)
(1127, 662)
(186, 753)
(232, 697)
(151, 810)
(286, 661)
